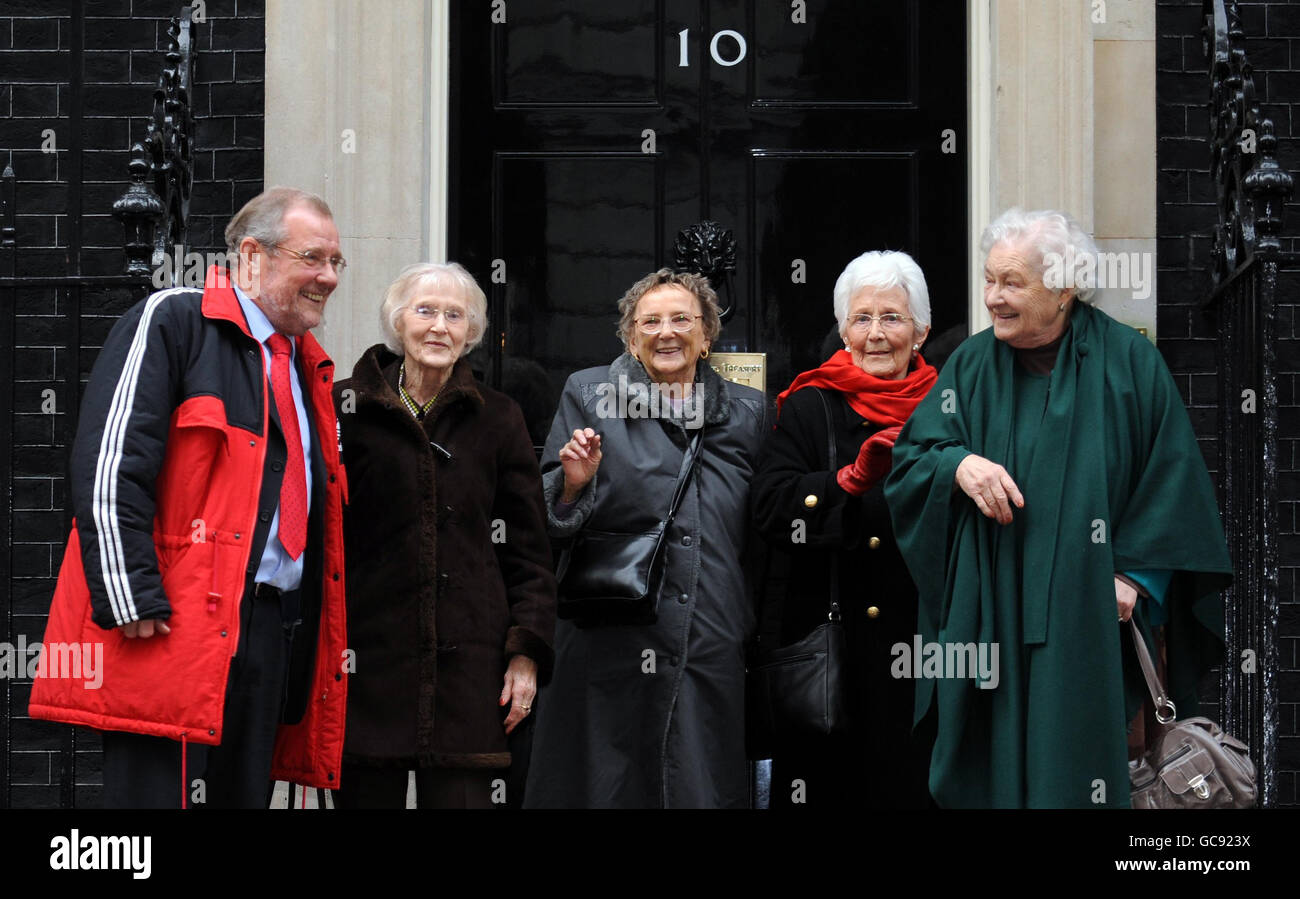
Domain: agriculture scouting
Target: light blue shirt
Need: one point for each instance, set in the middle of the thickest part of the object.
(276, 568)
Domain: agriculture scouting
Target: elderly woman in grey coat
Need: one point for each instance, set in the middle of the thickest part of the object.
(652, 715)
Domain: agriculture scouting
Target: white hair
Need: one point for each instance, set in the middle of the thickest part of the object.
(1053, 237)
(883, 269)
(438, 277)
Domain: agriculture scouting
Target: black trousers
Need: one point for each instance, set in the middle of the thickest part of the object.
(366, 787)
(145, 772)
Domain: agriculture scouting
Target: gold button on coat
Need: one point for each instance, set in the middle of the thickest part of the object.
(810, 501)
(873, 612)
(874, 543)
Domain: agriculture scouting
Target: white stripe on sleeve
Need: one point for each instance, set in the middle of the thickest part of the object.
(112, 557)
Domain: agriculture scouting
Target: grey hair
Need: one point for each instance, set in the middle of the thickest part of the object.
(438, 277)
(696, 285)
(883, 269)
(262, 218)
(1053, 238)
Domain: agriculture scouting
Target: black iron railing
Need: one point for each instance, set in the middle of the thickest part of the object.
(153, 211)
(1252, 190)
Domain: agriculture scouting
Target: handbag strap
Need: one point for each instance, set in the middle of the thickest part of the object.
(832, 460)
(1158, 695)
(689, 460)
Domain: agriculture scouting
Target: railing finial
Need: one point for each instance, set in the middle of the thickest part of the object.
(155, 207)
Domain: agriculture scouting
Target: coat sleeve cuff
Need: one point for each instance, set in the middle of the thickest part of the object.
(160, 611)
(521, 641)
(569, 525)
(945, 472)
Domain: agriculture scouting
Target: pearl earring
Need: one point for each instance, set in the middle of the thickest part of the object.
(916, 348)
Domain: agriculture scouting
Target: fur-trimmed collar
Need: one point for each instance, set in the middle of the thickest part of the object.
(717, 399)
(374, 378)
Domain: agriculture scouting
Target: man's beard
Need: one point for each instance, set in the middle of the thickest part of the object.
(290, 308)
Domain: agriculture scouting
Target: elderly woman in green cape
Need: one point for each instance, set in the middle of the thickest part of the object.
(1049, 485)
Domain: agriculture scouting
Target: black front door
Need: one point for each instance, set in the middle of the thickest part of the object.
(586, 133)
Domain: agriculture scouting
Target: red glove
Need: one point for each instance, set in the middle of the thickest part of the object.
(873, 463)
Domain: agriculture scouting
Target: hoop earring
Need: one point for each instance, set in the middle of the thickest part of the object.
(1060, 308)
(704, 354)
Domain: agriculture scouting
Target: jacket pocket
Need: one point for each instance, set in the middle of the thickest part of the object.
(196, 464)
(201, 572)
(187, 565)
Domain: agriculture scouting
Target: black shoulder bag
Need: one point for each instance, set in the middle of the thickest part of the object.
(613, 578)
(800, 689)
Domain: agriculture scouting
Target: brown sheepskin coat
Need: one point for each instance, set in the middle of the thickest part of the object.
(448, 567)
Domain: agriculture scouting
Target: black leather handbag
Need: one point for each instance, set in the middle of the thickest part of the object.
(800, 689)
(612, 578)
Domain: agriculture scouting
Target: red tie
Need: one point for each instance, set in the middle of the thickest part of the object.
(293, 489)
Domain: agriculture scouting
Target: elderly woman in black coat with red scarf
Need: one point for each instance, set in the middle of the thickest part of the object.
(823, 518)
(451, 598)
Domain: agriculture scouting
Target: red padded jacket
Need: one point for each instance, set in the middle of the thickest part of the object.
(166, 473)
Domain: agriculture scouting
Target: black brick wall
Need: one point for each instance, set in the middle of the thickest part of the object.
(124, 46)
(1185, 221)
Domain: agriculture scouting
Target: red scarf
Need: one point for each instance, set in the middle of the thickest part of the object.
(879, 400)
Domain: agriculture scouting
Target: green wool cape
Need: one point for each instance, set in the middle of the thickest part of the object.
(1116, 482)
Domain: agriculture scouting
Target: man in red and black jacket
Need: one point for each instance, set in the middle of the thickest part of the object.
(206, 554)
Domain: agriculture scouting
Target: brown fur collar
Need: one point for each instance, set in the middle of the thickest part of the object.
(374, 378)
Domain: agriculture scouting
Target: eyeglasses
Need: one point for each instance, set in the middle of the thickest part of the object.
(315, 261)
(680, 323)
(889, 321)
(429, 313)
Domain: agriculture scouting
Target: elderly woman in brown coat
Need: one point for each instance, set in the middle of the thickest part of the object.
(451, 599)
